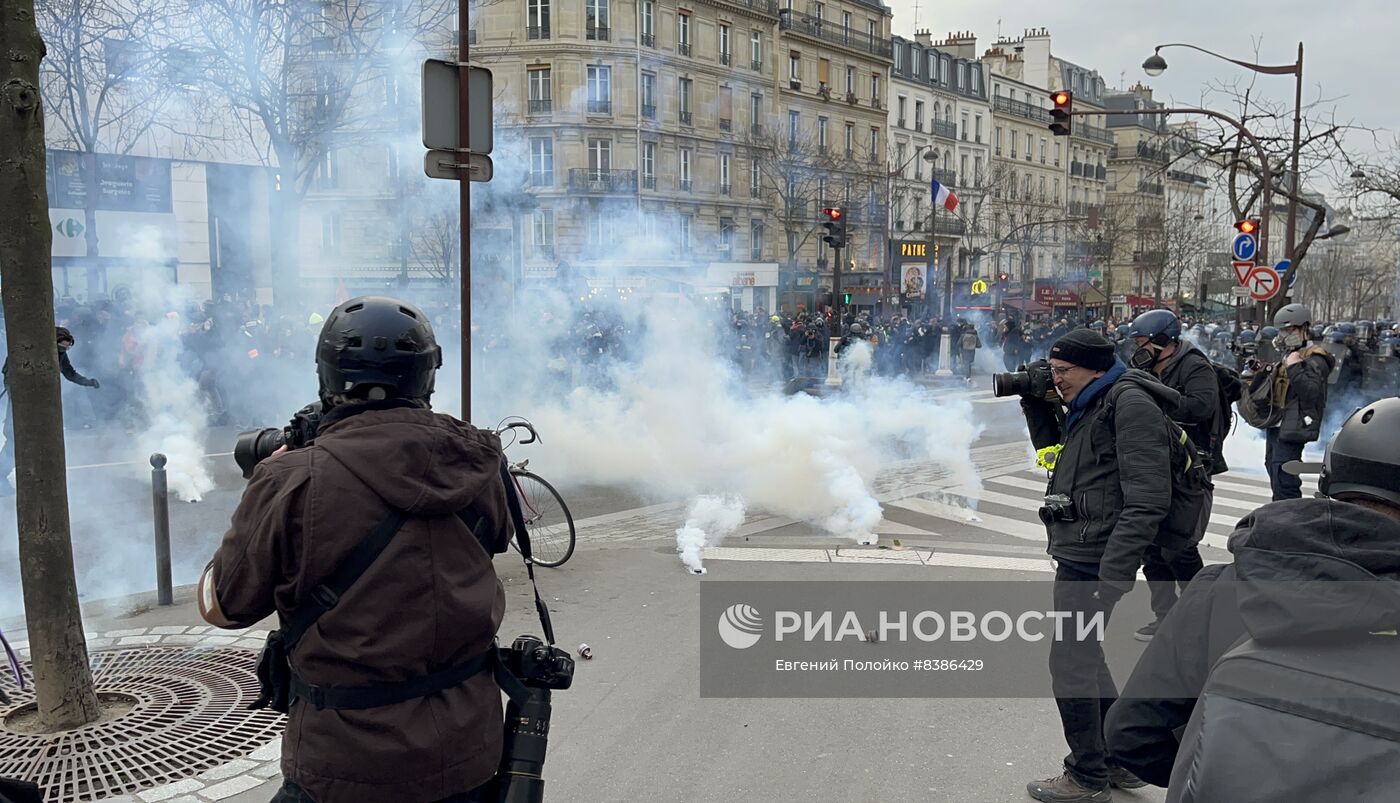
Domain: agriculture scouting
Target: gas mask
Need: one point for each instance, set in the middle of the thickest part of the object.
(1289, 340)
(1144, 358)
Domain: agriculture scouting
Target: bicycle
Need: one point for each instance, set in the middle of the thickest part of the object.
(547, 517)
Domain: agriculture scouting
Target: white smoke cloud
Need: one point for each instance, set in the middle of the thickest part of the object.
(710, 520)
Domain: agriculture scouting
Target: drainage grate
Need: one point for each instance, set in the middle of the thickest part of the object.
(189, 715)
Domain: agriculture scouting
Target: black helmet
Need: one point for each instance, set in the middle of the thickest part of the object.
(857, 328)
(374, 341)
(61, 333)
(1362, 458)
(1160, 326)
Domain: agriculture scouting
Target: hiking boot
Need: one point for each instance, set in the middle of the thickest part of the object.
(1147, 631)
(1119, 778)
(1065, 789)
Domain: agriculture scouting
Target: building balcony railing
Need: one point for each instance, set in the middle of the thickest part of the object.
(756, 65)
(1152, 257)
(726, 125)
(648, 40)
(756, 129)
(649, 111)
(724, 59)
(753, 191)
(1187, 178)
(597, 33)
(769, 7)
(900, 122)
(1149, 222)
(1092, 132)
(541, 105)
(648, 182)
(1148, 188)
(1100, 173)
(726, 189)
(1020, 109)
(537, 32)
(687, 118)
(602, 182)
(1142, 151)
(600, 107)
(685, 185)
(1074, 168)
(794, 209)
(819, 29)
(918, 125)
(948, 225)
(683, 48)
(794, 84)
(945, 129)
(948, 178)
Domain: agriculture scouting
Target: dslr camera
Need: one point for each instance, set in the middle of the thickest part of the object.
(1033, 381)
(542, 668)
(256, 445)
(1057, 507)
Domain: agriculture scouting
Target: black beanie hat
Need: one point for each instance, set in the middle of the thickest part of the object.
(1084, 347)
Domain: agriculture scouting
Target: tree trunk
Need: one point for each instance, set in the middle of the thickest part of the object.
(62, 680)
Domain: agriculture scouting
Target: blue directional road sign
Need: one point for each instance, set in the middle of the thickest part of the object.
(1282, 270)
(1244, 247)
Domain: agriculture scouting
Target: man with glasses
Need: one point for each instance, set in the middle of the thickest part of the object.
(1102, 435)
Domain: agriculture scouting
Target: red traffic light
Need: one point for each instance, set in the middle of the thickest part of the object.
(1003, 277)
(1061, 98)
(833, 212)
(1247, 226)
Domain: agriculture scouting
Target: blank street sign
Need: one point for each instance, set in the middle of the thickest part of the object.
(440, 116)
(443, 164)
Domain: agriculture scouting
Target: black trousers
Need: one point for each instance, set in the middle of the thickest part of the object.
(1276, 453)
(1165, 571)
(291, 793)
(1079, 676)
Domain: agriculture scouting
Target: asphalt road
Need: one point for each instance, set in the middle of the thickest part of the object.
(634, 726)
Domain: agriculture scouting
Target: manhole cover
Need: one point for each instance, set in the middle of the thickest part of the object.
(189, 715)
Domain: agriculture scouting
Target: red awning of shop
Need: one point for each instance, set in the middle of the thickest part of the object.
(1141, 301)
(1026, 305)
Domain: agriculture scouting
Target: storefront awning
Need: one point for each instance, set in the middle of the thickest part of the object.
(1028, 306)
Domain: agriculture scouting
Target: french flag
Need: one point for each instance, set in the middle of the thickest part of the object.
(944, 197)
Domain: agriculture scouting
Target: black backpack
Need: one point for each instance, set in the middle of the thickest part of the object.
(1301, 723)
(1189, 480)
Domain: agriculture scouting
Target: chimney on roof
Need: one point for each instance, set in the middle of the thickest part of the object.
(923, 37)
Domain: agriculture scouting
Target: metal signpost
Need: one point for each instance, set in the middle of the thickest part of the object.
(450, 106)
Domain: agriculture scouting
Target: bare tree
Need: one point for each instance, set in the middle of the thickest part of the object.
(106, 84)
(1320, 149)
(309, 76)
(799, 178)
(62, 679)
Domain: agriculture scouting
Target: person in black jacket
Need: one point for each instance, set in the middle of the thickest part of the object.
(1105, 503)
(1341, 554)
(1308, 369)
(65, 366)
(1182, 367)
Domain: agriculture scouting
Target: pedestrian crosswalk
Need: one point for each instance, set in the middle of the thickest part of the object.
(995, 523)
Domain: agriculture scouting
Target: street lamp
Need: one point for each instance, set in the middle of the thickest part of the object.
(1155, 65)
(1336, 231)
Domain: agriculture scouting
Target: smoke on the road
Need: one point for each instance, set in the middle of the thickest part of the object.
(677, 419)
(710, 520)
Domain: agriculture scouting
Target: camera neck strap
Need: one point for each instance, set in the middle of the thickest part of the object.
(522, 540)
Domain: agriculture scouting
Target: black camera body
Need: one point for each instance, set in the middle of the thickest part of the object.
(1033, 381)
(542, 668)
(1057, 507)
(256, 445)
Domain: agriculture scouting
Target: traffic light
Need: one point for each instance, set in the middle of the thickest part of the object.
(835, 226)
(1003, 277)
(846, 299)
(1062, 103)
(1248, 226)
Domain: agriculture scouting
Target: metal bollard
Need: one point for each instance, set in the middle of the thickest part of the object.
(160, 502)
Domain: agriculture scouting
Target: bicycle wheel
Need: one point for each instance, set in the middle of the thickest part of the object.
(547, 518)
